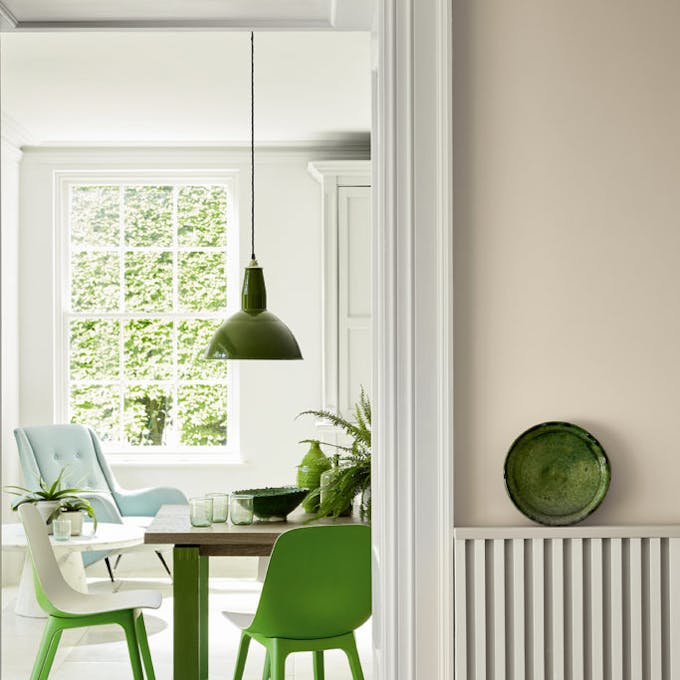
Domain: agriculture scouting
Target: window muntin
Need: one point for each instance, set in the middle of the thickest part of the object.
(147, 266)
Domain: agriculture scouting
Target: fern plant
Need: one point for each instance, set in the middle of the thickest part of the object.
(352, 467)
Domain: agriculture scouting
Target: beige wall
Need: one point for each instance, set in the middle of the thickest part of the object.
(567, 243)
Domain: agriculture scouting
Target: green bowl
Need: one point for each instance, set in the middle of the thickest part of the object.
(275, 503)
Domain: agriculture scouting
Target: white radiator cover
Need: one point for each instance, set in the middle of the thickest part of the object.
(576, 603)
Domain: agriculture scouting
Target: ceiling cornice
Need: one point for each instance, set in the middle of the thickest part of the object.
(173, 25)
(8, 22)
(336, 15)
(13, 132)
(205, 156)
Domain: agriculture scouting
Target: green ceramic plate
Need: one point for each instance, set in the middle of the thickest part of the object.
(557, 473)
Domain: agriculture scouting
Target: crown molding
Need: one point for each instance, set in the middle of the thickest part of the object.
(359, 142)
(352, 15)
(181, 156)
(14, 133)
(8, 22)
(338, 15)
(348, 168)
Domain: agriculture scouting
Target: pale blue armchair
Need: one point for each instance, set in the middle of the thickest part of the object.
(45, 450)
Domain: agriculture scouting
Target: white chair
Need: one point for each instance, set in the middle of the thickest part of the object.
(67, 608)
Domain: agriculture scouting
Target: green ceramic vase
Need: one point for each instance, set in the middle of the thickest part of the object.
(309, 473)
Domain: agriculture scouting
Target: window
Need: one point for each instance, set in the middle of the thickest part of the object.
(146, 270)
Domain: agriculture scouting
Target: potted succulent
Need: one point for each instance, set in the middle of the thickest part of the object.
(74, 508)
(351, 471)
(49, 499)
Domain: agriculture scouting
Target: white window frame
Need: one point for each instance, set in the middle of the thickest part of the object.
(64, 181)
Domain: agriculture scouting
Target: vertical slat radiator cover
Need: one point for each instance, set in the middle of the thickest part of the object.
(573, 603)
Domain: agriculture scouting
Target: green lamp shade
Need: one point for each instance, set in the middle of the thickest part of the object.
(253, 333)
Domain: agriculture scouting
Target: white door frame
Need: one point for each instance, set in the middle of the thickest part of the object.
(413, 336)
(413, 342)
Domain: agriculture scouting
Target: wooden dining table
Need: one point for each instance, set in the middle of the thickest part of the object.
(192, 549)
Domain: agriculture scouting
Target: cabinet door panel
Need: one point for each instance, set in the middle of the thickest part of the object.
(354, 294)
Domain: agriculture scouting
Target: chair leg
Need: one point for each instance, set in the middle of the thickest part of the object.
(108, 568)
(267, 671)
(128, 624)
(143, 642)
(117, 562)
(278, 662)
(318, 666)
(164, 563)
(47, 650)
(49, 660)
(353, 658)
(242, 655)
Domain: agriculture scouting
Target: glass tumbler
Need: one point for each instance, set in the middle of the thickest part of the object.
(200, 512)
(241, 508)
(220, 508)
(61, 529)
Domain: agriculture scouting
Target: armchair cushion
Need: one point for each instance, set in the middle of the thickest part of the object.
(46, 450)
(147, 502)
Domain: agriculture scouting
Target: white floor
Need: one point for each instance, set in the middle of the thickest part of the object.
(101, 652)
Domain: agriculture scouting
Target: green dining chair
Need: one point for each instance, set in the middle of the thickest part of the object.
(316, 593)
(68, 608)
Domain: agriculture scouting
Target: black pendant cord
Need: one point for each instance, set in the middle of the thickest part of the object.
(252, 145)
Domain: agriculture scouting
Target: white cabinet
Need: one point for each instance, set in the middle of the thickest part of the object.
(347, 314)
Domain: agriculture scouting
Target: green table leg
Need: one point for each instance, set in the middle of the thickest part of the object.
(190, 614)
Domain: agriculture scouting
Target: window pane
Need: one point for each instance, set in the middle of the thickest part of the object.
(148, 282)
(97, 406)
(148, 349)
(95, 282)
(148, 216)
(95, 213)
(202, 281)
(193, 338)
(94, 349)
(147, 414)
(201, 216)
(203, 415)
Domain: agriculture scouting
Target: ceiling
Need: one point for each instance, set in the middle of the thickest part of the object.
(291, 14)
(185, 86)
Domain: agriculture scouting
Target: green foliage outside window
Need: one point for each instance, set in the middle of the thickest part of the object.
(148, 288)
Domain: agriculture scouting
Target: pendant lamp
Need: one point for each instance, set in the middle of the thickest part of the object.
(254, 332)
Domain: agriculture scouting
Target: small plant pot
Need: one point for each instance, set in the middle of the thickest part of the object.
(76, 519)
(46, 508)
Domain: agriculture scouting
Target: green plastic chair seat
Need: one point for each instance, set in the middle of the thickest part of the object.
(316, 593)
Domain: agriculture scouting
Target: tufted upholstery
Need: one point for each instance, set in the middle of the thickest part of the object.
(57, 446)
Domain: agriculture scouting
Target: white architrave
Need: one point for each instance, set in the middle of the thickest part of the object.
(334, 175)
(413, 338)
(413, 342)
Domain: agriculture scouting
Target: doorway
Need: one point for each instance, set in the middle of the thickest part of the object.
(413, 569)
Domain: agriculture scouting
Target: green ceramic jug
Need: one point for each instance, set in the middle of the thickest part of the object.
(309, 473)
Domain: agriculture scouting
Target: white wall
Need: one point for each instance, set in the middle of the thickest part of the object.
(567, 243)
(10, 158)
(288, 231)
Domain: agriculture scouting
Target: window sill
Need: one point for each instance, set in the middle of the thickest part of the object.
(173, 459)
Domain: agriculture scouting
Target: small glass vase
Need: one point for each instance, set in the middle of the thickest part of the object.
(62, 529)
(200, 512)
(220, 506)
(326, 482)
(241, 509)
